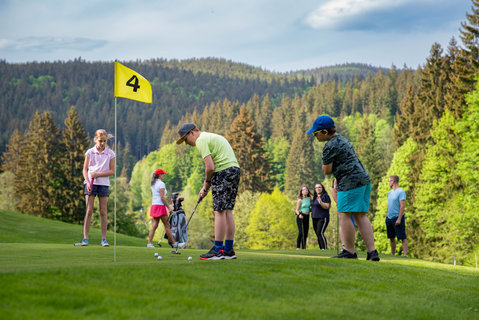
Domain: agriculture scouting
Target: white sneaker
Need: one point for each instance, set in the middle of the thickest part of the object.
(150, 245)
(180, 245)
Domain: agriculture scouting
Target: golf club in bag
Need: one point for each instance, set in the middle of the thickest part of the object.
(178, 223)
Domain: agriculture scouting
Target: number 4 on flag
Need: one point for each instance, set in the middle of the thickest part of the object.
(130, 84)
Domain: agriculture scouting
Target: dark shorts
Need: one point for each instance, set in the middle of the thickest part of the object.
(97, 190)
(224, 186)
(396, 231)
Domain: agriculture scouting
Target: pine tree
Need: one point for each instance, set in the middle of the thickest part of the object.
(263, 118)
(466, 66)
(454, 99)
(12, 153)
(299, 167)
(249, 150)
(127, 161)
(406, 120)
(169, 135)
(434, 80)
(70, 196)
(367, 152)
(38, 177)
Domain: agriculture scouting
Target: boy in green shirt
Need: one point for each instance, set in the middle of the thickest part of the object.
(222, 175)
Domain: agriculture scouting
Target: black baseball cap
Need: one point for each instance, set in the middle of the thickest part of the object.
(184, 130)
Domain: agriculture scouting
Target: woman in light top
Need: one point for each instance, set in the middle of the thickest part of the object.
(159, 207)
(303, 209)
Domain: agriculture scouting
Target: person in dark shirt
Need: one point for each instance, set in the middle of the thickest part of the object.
(354, 187)
(320, 213)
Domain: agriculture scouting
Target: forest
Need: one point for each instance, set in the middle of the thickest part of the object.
(419, 124)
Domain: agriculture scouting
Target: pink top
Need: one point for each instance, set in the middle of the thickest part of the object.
(99, 162)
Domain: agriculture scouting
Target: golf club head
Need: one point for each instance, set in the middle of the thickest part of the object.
(175, 252)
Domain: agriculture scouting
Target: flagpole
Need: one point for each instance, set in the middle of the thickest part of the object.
(114, 212)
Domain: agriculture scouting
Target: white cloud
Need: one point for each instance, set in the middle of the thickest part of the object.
(334, 12)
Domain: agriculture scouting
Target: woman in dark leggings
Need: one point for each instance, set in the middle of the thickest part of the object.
(320, 213)
(303, 209)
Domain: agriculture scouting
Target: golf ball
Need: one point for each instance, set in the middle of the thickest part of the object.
(156, 254)
(160, 257)
(190, 258)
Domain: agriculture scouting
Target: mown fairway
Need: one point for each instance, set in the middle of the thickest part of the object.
(43, 276)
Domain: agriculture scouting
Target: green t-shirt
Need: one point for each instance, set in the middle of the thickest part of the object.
(219, 149)
(305, 205)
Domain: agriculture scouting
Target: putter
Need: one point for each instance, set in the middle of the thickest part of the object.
(197, 203)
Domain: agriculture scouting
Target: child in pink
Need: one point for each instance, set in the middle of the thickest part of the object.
(99, 165)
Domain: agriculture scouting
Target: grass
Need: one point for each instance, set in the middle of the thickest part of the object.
(43, 276)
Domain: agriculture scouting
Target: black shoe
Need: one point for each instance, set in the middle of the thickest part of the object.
(212, 255)
(229, 254)
(373, 255)
(346, 255)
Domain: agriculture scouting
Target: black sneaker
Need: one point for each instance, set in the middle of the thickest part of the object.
(346, 255)
(229, 254)
(212, 255)
(373, 255)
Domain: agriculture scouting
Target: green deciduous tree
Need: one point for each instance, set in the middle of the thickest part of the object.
(466, 221)
(245, 203)
(436, 189)
(272, 222)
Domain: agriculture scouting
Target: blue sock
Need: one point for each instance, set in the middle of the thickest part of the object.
(218, 246)
(228, 245)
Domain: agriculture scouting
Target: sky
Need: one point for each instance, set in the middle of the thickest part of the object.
(276, 35)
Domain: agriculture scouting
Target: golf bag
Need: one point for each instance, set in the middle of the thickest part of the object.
(178, 226)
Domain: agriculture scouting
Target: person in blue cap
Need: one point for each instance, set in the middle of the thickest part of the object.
(353, 187)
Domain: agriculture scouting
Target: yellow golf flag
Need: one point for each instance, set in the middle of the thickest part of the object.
(131, 85)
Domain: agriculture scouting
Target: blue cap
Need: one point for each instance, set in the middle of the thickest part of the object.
(321, 122)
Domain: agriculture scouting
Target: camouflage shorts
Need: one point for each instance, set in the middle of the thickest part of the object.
(224, 186)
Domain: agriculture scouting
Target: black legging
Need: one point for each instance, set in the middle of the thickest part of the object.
(303, 227)
(320, 225)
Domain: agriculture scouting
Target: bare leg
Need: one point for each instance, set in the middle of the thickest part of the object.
(154, 225)
(346, 231)
(220, 225)
(404, 247)
(230, 225)
(90, 202)
(393, 246)
(366, 229)
(103, 215)
(166, 223)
